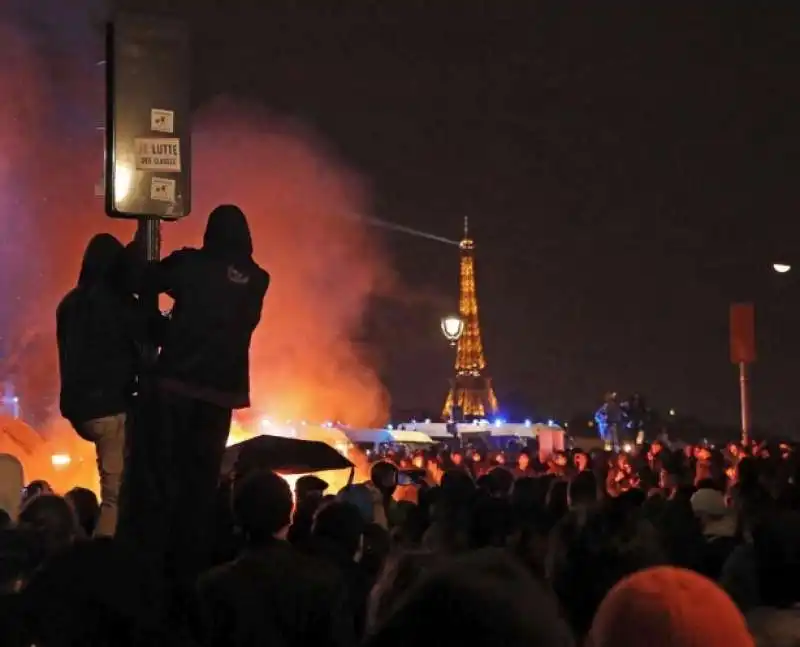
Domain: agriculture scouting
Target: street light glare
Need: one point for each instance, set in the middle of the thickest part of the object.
(452, 328)
(781, 268)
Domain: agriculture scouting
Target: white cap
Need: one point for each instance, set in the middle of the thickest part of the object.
(709, 502)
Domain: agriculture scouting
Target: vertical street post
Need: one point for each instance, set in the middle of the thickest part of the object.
(147, 179)
(743, 354)
(148, 128)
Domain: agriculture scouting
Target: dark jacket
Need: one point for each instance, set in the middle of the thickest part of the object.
(219, 292)
(96, 329)
(357, 583)
(274, 595)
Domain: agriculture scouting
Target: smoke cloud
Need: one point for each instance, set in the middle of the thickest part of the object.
(302, 201)
(325, 262)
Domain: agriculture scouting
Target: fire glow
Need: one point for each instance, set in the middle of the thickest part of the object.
(60, 460)
(299, 196)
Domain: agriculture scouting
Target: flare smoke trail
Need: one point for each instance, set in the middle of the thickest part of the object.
(291, 186)
(376, 222)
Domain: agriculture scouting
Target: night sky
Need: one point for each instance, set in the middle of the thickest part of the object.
(628, 169)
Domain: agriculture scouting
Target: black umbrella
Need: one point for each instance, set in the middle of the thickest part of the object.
(283, 455)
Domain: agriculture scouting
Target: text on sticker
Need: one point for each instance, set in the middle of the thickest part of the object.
(158, 155)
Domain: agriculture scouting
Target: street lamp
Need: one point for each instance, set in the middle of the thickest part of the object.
(452, 328)
(781, 268)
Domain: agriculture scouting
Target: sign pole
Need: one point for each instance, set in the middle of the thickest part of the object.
(148, 232)
(150, 229)
(743, 353)
(744, 397)
(147, 179)
(148, 131)
(148, 120)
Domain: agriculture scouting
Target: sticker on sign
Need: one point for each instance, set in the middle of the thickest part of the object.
(159, 154)
(162, 121)
(162, 189)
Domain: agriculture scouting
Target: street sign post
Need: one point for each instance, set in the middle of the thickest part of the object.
(148, 161)
(148, 167)
(743, 353)
(148, 130)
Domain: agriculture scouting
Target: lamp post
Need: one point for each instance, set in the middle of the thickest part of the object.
(452, 328)
(781, 268)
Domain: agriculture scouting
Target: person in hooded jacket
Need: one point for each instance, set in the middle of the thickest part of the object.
(203, 371)
(96, 333)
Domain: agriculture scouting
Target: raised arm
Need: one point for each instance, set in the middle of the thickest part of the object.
(160, 277)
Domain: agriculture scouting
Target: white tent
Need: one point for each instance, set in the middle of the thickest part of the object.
(406, 436)
(434, 430)
(366, 435)
(438, 430)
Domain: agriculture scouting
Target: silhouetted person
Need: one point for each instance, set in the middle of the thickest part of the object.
(203, 372)
(481, 598)
(338, 538)
(96, 592)
(34, 489)
(95, 327)
(53, 519)
(308, 493)
(87, 508)
(272, 594)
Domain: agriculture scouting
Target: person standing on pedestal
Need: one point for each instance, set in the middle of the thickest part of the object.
(96, 328)
(202, 373)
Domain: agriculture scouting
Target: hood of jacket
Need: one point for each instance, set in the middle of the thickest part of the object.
(102, 254)
(227, 234)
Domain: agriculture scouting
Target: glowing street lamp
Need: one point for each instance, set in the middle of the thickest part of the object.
(452, 328)
(781, 268)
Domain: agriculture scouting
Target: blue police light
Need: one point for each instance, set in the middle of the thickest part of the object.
(527, 422)
(390, 427)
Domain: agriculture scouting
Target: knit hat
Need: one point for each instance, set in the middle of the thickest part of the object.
(707, 501)
(718, 519)
(668, 607)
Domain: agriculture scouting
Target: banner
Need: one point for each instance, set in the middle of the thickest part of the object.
(743, 333)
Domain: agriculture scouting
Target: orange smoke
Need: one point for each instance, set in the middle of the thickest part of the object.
(325, 263)
(302, 202)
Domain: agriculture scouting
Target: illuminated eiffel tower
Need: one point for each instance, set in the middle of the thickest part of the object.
(471, 394)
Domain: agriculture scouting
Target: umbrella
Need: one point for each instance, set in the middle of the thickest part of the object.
(283, 455)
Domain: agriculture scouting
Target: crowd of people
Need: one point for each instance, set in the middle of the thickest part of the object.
(690, 546)
(675, 547)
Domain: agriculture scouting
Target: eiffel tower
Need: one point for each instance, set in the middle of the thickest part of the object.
(471, 394)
